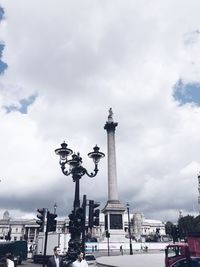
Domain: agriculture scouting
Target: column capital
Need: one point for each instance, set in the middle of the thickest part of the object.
(110, 126)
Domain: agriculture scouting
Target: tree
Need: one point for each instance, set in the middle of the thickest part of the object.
(197, 223)
(168, 228)
(186, 225)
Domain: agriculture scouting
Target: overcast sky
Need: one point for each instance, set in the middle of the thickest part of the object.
(63, 65)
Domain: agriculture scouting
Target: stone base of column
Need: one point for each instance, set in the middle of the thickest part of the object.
(114, 216)
(114, 206)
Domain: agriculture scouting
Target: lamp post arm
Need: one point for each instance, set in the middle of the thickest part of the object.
(65, 172)
(94, 173)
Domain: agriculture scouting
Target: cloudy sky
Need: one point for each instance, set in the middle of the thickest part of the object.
(63, 65)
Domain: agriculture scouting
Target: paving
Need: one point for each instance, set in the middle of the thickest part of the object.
(135, 260)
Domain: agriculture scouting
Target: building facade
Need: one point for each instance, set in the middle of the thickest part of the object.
(26, 229)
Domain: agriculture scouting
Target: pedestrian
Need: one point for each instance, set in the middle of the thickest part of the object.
(55, 260)
(31, 248)
(3, 262)
(80, 262)
(121, 249)
(9, 260)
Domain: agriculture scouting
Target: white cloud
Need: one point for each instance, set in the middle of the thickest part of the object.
(81, 58)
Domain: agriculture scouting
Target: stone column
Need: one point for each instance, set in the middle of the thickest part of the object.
(35, 234)
(112, 169)
(29, 233)
(113, 210)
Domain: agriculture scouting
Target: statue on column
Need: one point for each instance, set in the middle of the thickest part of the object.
(110, 116)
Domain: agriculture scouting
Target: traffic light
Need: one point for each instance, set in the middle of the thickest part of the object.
(51, 222)
(93, 214)
(107, 234)
(177, 232)
(41, 217)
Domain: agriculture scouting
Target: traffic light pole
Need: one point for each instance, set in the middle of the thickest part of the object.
(45, 245)
(108, 246)
(50, 226)
(129, 230)
(83, 222)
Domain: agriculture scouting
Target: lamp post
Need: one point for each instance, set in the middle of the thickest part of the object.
(129, 229)
(55, 207)
(76, 169)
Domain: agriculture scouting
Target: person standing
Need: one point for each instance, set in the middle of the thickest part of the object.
(3, 262)
(9, 260)
(55, 260)
(80, 262)
(121, 249)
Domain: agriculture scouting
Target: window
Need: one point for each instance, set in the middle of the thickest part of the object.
(174, 251)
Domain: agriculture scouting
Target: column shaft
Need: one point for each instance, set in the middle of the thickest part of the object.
(112, 170)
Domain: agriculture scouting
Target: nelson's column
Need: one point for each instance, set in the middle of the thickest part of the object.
(114, 210)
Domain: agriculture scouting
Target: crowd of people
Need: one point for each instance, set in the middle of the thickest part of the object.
(54, 261)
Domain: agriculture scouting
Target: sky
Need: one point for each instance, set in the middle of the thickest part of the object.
(63, 64)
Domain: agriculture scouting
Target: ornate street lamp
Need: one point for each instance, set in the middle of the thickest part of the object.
(73, 166)
(129, 229)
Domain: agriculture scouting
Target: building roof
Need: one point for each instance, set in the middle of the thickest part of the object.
(150, 221)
